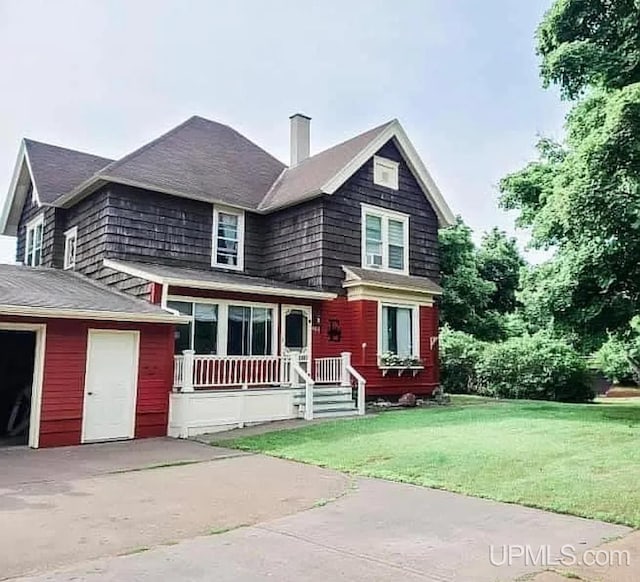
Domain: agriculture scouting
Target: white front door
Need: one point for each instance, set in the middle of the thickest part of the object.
(296, 332)
(110, 385)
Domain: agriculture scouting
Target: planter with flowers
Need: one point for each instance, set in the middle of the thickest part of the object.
(391, 363)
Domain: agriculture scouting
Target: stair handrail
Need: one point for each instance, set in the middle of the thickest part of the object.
(349, 372)
(299, 375)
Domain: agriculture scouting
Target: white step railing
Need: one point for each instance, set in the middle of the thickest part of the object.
(328, 370)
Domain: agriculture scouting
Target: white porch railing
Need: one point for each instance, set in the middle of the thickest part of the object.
(193, 372)
(328, 370)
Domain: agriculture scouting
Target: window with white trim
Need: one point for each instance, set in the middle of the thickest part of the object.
(385, 172)
(225, 328)
(33, 247)
(70, 244)
(228, 238)
(399, 330)
(385, 239)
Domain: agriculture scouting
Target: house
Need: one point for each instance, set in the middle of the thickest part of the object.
(199, 283)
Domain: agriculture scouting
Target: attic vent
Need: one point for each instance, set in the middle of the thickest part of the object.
(385, 172)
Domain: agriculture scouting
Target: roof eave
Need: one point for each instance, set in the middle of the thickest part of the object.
(90, 314)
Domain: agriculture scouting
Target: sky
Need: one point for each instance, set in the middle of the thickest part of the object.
(109, 75)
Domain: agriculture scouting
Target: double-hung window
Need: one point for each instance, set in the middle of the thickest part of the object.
(70, 245)
(385, 239)
(398, 330)
(228, 238)
(33, 248)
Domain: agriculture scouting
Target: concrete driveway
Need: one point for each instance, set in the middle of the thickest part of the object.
(375, 531)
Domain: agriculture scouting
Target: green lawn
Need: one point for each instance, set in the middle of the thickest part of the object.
(582, 459)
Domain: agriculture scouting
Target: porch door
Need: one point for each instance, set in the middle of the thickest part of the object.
(110, 385)
(296, 332)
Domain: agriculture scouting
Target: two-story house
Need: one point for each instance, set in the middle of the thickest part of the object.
(198, 282)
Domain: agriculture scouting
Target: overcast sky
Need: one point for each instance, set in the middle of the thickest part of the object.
(107, 76)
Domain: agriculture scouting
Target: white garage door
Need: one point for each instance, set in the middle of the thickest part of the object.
(110, 385)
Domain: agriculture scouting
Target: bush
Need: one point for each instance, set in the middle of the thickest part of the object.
(613, 361)
(459, 356)
(536, 367)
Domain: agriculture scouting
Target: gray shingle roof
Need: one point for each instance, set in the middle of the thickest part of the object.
(205, 276)
(58, 170)
(204, 160)
(52, 289)
(309, 176)
(392, 280)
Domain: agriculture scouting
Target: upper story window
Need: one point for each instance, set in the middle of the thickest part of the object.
(70, 243)
(385, 239)
(385, 172)
(228, 238)
(33, 248)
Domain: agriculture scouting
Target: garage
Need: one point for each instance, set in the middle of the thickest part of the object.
(18, 348)
(80, 362)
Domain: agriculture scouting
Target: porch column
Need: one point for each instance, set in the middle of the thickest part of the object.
(187, 370)
(344, 369)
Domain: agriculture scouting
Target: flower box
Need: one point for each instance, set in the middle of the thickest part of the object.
(400, 370)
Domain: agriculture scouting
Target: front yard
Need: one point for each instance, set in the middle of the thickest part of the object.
(582, 459)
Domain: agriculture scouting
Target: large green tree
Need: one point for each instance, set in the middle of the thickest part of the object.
(479, 283)
(583, 197)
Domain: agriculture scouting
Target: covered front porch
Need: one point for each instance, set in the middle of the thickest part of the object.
(212, 393)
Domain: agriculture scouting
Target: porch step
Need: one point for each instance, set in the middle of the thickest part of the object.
(334, 413)
(329, 400)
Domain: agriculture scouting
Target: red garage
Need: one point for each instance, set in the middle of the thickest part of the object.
(80, 362)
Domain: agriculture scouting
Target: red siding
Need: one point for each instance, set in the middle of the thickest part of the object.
(64, 372)
(359, 324)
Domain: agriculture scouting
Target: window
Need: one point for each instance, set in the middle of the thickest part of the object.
(228, 239)
(70, 243)
(220, 328)
(33, 250)
(385, 239)
(398, 330)
(250, 331)
(385, 172)
(183, 333)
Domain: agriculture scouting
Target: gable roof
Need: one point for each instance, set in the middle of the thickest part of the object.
(198, 159)
(56, 170)
(51, 170)
(205, 160)
(39, 291)
(308, 177)
(325, 172)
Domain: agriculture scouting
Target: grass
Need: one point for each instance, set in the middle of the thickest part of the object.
(582, 459)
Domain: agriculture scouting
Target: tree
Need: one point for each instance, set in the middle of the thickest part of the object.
(583, 197)
(590, 43)
(499, 261)
(466, 294)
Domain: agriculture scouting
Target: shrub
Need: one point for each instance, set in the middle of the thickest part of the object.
(459, 356)
(612, 359)
(536, 367)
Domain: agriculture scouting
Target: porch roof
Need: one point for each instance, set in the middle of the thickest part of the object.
(53, 293)
(357, 276)
(215, 280)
